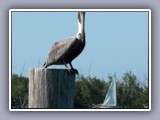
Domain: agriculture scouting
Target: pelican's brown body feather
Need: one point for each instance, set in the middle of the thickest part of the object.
(64, 51)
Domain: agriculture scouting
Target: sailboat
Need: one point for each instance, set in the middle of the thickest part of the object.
(111, 97)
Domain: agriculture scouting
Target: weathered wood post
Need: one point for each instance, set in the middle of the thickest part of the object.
(51, 88)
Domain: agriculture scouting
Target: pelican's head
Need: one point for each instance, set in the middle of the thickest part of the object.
(81, 16)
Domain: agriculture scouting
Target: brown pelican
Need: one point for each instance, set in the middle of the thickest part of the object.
(63, 52)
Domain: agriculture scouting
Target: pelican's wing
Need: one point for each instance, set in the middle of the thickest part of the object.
(61, 49)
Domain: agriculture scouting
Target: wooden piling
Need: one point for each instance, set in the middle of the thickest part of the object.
(51, 88)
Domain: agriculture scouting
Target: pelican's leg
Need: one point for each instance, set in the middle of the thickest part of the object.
(65, 64)
(73, 69)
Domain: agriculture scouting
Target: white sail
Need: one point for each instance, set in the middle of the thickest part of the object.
(111, 97)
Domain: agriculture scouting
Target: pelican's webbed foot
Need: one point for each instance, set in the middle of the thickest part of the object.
(73, 70)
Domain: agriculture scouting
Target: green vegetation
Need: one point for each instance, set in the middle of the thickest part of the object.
(89, 91)
(130, 94)
(19, 93)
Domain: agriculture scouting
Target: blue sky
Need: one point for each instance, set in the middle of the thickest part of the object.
(116, 42)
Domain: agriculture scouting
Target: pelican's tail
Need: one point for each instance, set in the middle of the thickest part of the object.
(44, 65)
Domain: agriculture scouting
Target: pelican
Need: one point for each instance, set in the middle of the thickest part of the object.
(63, 52)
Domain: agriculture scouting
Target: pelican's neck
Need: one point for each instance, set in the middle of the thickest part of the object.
(79, 28)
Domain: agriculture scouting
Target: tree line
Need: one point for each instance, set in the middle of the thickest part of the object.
(91, 90)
